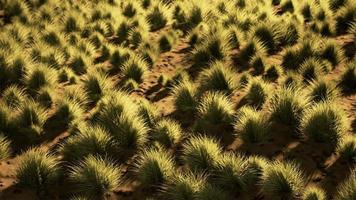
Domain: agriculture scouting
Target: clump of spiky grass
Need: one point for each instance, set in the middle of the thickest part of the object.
(157, 17)
(17, 68)
(348, 77)
(314, 193)
(117, 59)
(154, 168)
(244, 80)
(214, 48)
(323, 90)
(137, 37)
(5, 149)
(67, 112)
(294, 57)
(287, 6)
(252, 126)
(130, 9)
(184, 94)
(184, 186)
(333, 53)
(90, 141)
(336, 4)
(14, 96)
(235, 37)
(211, 192)
(273, 72)
(307, 10)
(215, 110)
(282, 181)
(39, 77)
(311, 69)
(287, 106)
(167, 132)
(166, 41)
(96, 86)
(352, 29)
(257, 165)
(257, 92)
(29, 122)
(250, 50)
(218, 77)
(76, 94)
(258, 64)
(149, 112)
(45, 97)
(347, 189)
(347, 148)
(66, 75)
(288, 33)
(38, 170)
(324, 122)
(232, 173)
(187, 16)
(292, 79)
(5, 118)
(201, 153)
(94, 177)
(268, 35)
(345, 16)
(119, 115)
(80, 63)
(135, 68)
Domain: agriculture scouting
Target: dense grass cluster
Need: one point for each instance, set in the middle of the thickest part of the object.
(178, 99)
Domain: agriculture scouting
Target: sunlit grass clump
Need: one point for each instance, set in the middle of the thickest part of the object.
(252, 126)
(347, 148)
(184, 186)
(118, 114)
(257, 93)
(232, 173)
(314, 193)
(201, 153)
(135, 68)
(348, 77)
(283, 181)
(90, 141)
(323, 90)
(214, 48)
(185, 96)
(154, 168)
(311, 69)
(167, 133)
(215, 110)
(347, 189)
(324, 122)
(5, 148)
(38, 170)
(94, 177)
(14, 96)
(218, 77)
(29, 123)
(288, 105)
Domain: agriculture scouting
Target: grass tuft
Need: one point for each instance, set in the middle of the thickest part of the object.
(314, 193)
(154, 168)
(283, 181)
(347, 189)
(288, 105)
(325, 122)
(38, 170)
(252, 126)
(201, 153)
(94, 177)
